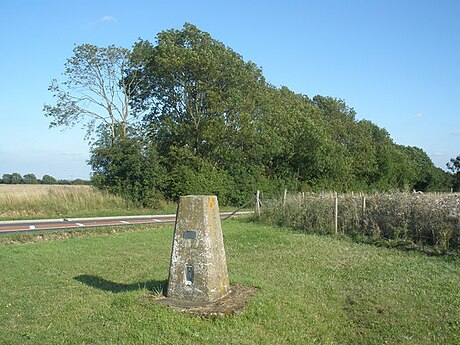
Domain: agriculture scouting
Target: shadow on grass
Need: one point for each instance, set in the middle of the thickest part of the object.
(106, 285)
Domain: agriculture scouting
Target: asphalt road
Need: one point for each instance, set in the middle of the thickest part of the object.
(78, 223)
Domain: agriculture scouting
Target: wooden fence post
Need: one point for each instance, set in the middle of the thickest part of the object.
(363, 211)
(257, 210)
(336, 214)
(284, 198)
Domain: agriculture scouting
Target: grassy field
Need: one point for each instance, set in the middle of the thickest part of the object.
(61, 201)
(312, 290)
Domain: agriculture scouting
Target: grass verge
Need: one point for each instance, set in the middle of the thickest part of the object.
(312, 290)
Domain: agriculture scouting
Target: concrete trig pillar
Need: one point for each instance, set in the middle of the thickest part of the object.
(198, 270)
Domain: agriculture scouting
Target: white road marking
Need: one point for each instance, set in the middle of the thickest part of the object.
(69, 223)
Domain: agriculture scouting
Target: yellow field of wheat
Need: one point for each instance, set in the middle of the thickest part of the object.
(25, 201)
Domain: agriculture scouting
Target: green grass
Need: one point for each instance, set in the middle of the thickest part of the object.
(312, 290)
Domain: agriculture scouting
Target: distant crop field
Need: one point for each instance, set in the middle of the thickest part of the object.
(57, 201)
(27, 190)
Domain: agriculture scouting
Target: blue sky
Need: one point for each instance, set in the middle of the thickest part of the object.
(397, 63)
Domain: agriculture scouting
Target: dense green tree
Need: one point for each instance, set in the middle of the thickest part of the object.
(48, 179)
(128, 167)
(16, 178)
(196, 90)
(190, 174)
(292, 140)
(368, 140)
(441, 181)
(339, 124)
(7, 179)
(425, 176)
(80, 182)
(201, 98)
(454, 166)
(30, 179)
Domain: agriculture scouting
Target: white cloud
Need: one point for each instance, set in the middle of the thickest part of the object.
(439, 154)
(103, 20)
(73, 154)
(419, 116)
(107, 19)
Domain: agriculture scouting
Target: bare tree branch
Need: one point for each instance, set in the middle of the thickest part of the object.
(95, 79)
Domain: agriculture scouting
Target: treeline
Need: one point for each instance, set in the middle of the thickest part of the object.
(204, 121)
(16, 178)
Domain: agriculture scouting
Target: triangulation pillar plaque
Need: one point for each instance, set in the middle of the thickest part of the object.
(198, 270)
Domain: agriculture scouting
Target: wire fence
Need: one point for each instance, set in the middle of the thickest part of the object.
(410, 219)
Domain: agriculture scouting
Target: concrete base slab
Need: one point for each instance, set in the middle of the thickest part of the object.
(232, 303)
